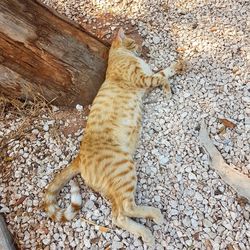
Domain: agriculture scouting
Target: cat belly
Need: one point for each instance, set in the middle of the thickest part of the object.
(128, 139)
(129, 131)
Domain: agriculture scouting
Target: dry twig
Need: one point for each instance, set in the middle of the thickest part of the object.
(238, 181)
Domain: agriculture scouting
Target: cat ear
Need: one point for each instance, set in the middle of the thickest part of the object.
(120, 35)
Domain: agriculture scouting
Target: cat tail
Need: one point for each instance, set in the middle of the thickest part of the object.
(50, 202)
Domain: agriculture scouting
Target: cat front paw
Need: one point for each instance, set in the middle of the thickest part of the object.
(158, 217)
(179, 67)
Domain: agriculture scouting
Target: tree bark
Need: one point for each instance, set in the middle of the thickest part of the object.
(43, 53)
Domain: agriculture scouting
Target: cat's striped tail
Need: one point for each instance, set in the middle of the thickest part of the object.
(50, 202)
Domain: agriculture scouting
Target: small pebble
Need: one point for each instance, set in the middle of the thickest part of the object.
(156, 39)
(79, 107)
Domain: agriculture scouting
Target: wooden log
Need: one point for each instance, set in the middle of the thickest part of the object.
(43, 53)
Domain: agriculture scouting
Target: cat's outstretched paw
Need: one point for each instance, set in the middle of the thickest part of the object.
(158, 217)
(179, 67)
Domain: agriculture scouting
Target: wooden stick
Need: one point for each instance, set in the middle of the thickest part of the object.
(238, 181)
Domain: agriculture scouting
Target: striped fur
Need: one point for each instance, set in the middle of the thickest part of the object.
(54, 188)
(105, 161)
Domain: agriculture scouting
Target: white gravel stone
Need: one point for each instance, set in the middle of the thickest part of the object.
(198, 196)
(46, 127)
(87, 243)
(173, 212)
(35, 131)
(156, 39)
(18, 174)
(79, 107)
(56, 236)
(89, 204)
(163, 159)
(25, 155)
(55, 108)
(207, 223)
(58, 151)
(46, 241)
(191, 176)
(246, 215)
(117, 245)
(4, 209)
(52, 246)
(41, 183)
(157, 198)
(227, 225)
(194, 223)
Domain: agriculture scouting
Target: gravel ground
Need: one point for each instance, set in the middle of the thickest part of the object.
(201, 212)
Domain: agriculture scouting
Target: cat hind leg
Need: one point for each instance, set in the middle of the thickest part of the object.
(133, 227)
(132, 210)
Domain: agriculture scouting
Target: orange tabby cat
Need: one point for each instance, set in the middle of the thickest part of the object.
(105, 160)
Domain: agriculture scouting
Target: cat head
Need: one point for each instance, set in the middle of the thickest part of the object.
(122, 41)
